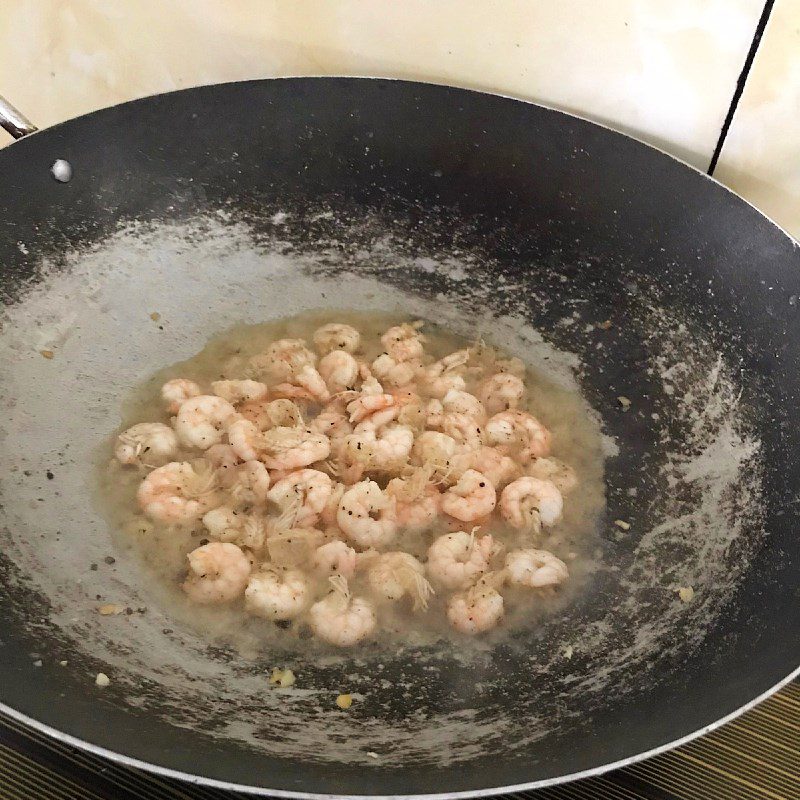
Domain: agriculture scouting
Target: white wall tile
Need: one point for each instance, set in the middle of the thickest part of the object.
(761, 156)
(663, 70)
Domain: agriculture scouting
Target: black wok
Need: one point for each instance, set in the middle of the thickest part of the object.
(620, 267)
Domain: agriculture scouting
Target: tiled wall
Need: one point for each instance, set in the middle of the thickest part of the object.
(663, 70)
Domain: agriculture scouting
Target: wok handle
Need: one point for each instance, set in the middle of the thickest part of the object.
(13, 121)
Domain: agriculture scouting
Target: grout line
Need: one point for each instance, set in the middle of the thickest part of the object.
(737, 94)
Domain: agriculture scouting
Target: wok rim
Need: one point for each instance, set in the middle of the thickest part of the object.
(246, 788)
(251, 789)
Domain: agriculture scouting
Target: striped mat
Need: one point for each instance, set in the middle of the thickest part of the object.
(756, 757)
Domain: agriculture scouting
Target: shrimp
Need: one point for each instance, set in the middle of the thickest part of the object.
(250, 485)
(556, 471)
(239, 391)
(464, 428)
(246, 440)
(459, 402)
(179, 492)
(218, 573)
(501, 392)
(336, 336)
(341, 619)
(177, 391)
(456, 560)
(394, 575)
(227, 525)
(535, 568)
(272, 414)
(148, 444)
(307, 385)
(378, 408)
(203, 420)
(416, 508)
(366, 515)
(277, 594)
(283, 359)
(477, 610)
(433, 447)
(390, 447)
(500, 469)
(473, 496)
(303, 495)
(222, 456)
(292, 448)
(529, 503)
(404, 342)
(331, 423)
(328, 514)
(442, 376)
(339, 370)
(334, 558)
(434, 413)
(518, 433)
(395, 373)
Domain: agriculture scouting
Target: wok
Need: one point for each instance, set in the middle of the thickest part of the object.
(603, 261)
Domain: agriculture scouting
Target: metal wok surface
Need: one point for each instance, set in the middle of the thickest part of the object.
(604, 261)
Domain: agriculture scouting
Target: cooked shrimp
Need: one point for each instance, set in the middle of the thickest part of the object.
(472, 497)
(272, 414)
(416, 509)
(246, 440)
(227, 525)
(148, 443)
(432, 447)
(303, 494)
(390, 446)
(500, 469)
(392, 576)
(395, 373)
(444, 375)
(331, 509)
(179, 492)
(218, 573)
(292, 448)
(464, 428)
(529, 503)
(239, 391)
(379, 408)
(223, 457)
(277, 594)
(404, 342)
(459, 402)
(331, 423)
(334, 558)
(535, 568)
(477, 610)
(501, 392)
(283, 359)
(203, 420)
(177, 391)
(367, 515)
(341, 619)
(336, 336)
(250, 485)
(339, 370)
(456, 560)
(518, 433)
(554, 470)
